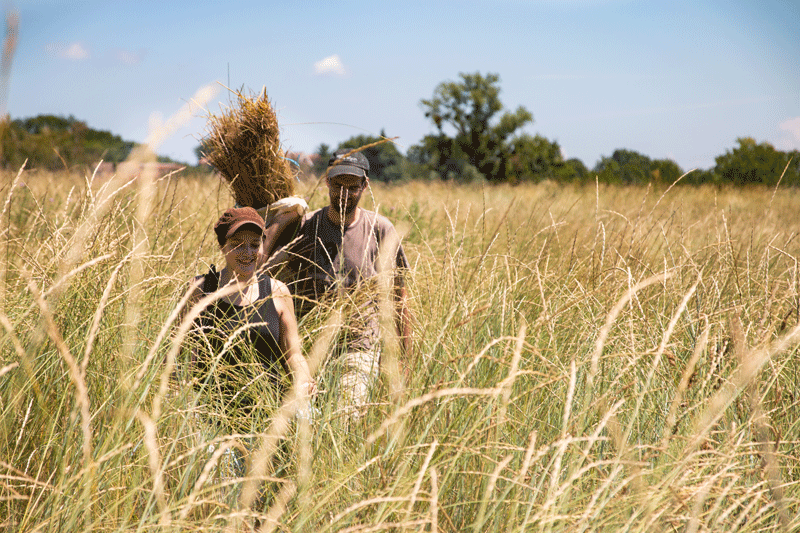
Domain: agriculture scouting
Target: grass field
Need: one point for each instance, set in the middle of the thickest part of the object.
(586, 359)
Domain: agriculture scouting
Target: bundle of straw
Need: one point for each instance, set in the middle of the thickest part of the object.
(242, 143)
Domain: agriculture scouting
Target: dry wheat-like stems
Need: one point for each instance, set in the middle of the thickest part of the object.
(144, 206)
(387, 308)
(568, 472)
(420, 477)
(98, 315)
(508, 384)
(8, 368)
(4, 234)
(477, 526)
(159, 132)
(400, 412)
(611, 318)
(154, 461)
(744, 375)
(78, 379)
(243, 144)
(672, 417)
(661, 348)
(179, 335)
(206, 473)
(279, 425)
(271, 522)
(141, 248)
(434, 501)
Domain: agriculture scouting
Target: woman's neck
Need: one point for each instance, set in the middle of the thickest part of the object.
(247, 292)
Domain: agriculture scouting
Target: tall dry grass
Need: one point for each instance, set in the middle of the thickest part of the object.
(586, 359)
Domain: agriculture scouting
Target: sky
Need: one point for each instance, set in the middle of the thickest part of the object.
(676, 79)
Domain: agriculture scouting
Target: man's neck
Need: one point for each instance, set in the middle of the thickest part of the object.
(336, 217)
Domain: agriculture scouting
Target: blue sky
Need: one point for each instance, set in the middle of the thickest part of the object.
(679, 79)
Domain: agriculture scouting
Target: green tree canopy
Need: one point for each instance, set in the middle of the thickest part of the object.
(752, 162)
(51, 142)
(537, 158)
(665, 170)
(574, 169)
(470, 131)
(631, 167)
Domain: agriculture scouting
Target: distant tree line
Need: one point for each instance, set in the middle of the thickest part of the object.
(474, 138)
(50, 142)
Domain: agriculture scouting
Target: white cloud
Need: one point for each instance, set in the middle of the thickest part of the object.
(331, 65)
(126, 57)
(73, 51)
(791, 139)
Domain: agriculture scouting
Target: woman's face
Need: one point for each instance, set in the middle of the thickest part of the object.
(242, 251)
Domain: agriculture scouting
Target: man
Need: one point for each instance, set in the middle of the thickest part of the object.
(339, 253)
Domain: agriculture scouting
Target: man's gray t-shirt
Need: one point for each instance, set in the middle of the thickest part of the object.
(331, 261)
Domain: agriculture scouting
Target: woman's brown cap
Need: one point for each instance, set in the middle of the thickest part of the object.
(234, 219)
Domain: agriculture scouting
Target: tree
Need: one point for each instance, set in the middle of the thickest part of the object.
(385, 160)
(534, 159)
(574, 170)
(324, 153)
(752, 162)
(700, 176)
(631, 167)
(51, 142)
(665, 170)
(200, 152)
(624, 166)
(469, 131)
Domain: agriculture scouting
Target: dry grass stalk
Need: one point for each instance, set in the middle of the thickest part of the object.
(271, 522)
(612, 317)
(243, 145)
(487, 494)
(425, 398)
(420, 477)
(154, 461)
(434, 501)
(762, 429)
(686, 377)
(77, 378)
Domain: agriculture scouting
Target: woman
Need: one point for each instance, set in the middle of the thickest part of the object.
(251, 324)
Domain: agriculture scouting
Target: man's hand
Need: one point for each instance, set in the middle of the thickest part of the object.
(278, 217)
(283, 211)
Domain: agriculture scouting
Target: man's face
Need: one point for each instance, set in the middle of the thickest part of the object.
(345, 192)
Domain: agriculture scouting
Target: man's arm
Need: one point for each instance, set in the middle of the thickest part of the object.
(403, 321)
(275, 233)
(403, 316)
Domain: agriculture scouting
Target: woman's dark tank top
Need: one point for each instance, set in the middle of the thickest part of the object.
(260, 341)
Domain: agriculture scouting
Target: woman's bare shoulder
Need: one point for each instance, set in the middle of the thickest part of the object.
(279, 288)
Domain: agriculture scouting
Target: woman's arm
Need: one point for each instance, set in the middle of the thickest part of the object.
(290, 340)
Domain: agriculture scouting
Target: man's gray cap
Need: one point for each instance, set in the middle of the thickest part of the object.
(347, 161)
